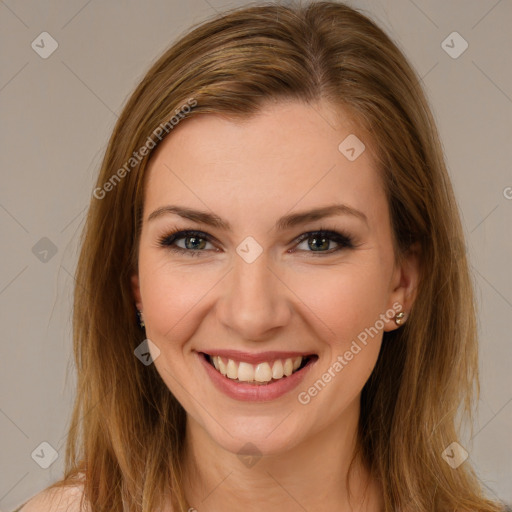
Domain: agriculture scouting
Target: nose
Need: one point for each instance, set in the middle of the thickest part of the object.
(255, 301)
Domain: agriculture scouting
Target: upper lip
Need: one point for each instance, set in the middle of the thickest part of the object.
(255, 357)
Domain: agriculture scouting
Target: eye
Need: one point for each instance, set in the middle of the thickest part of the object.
(194, 242)
(321, 241)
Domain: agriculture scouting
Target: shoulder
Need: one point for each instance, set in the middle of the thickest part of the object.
(59, 499)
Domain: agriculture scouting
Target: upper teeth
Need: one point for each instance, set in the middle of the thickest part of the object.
(261, 372)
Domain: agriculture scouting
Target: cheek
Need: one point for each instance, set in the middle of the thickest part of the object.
(172, 296)
(175, 295)
(344, 300)
(345, 307)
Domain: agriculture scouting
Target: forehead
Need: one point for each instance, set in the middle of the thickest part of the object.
(287, 156)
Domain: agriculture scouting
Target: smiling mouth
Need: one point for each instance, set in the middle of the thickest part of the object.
(264, 373)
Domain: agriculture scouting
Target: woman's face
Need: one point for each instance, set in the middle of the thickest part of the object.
(250, 285)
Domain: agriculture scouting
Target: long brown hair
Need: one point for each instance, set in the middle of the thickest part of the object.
(127, 429)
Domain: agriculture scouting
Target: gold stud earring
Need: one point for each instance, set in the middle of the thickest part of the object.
(399, 318)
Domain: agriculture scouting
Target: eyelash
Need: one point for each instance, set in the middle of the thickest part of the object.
(343, 240)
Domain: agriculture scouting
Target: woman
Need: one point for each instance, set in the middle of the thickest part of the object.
(275, 208)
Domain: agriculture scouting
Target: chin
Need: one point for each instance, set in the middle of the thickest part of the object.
(255, 437)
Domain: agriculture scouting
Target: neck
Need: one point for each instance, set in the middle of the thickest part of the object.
(312, 475)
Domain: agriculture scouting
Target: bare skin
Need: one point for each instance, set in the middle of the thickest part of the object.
(295, 296)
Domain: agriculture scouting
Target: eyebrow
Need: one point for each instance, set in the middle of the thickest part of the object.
(286, 222)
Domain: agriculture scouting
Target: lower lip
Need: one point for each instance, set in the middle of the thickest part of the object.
(254, 392)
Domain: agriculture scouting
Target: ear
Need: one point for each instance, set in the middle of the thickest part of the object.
(136, 291)
(404, 285)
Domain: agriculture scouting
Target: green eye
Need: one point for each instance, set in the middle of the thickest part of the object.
(195, 242)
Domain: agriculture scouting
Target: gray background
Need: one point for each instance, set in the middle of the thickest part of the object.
(57, 114)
